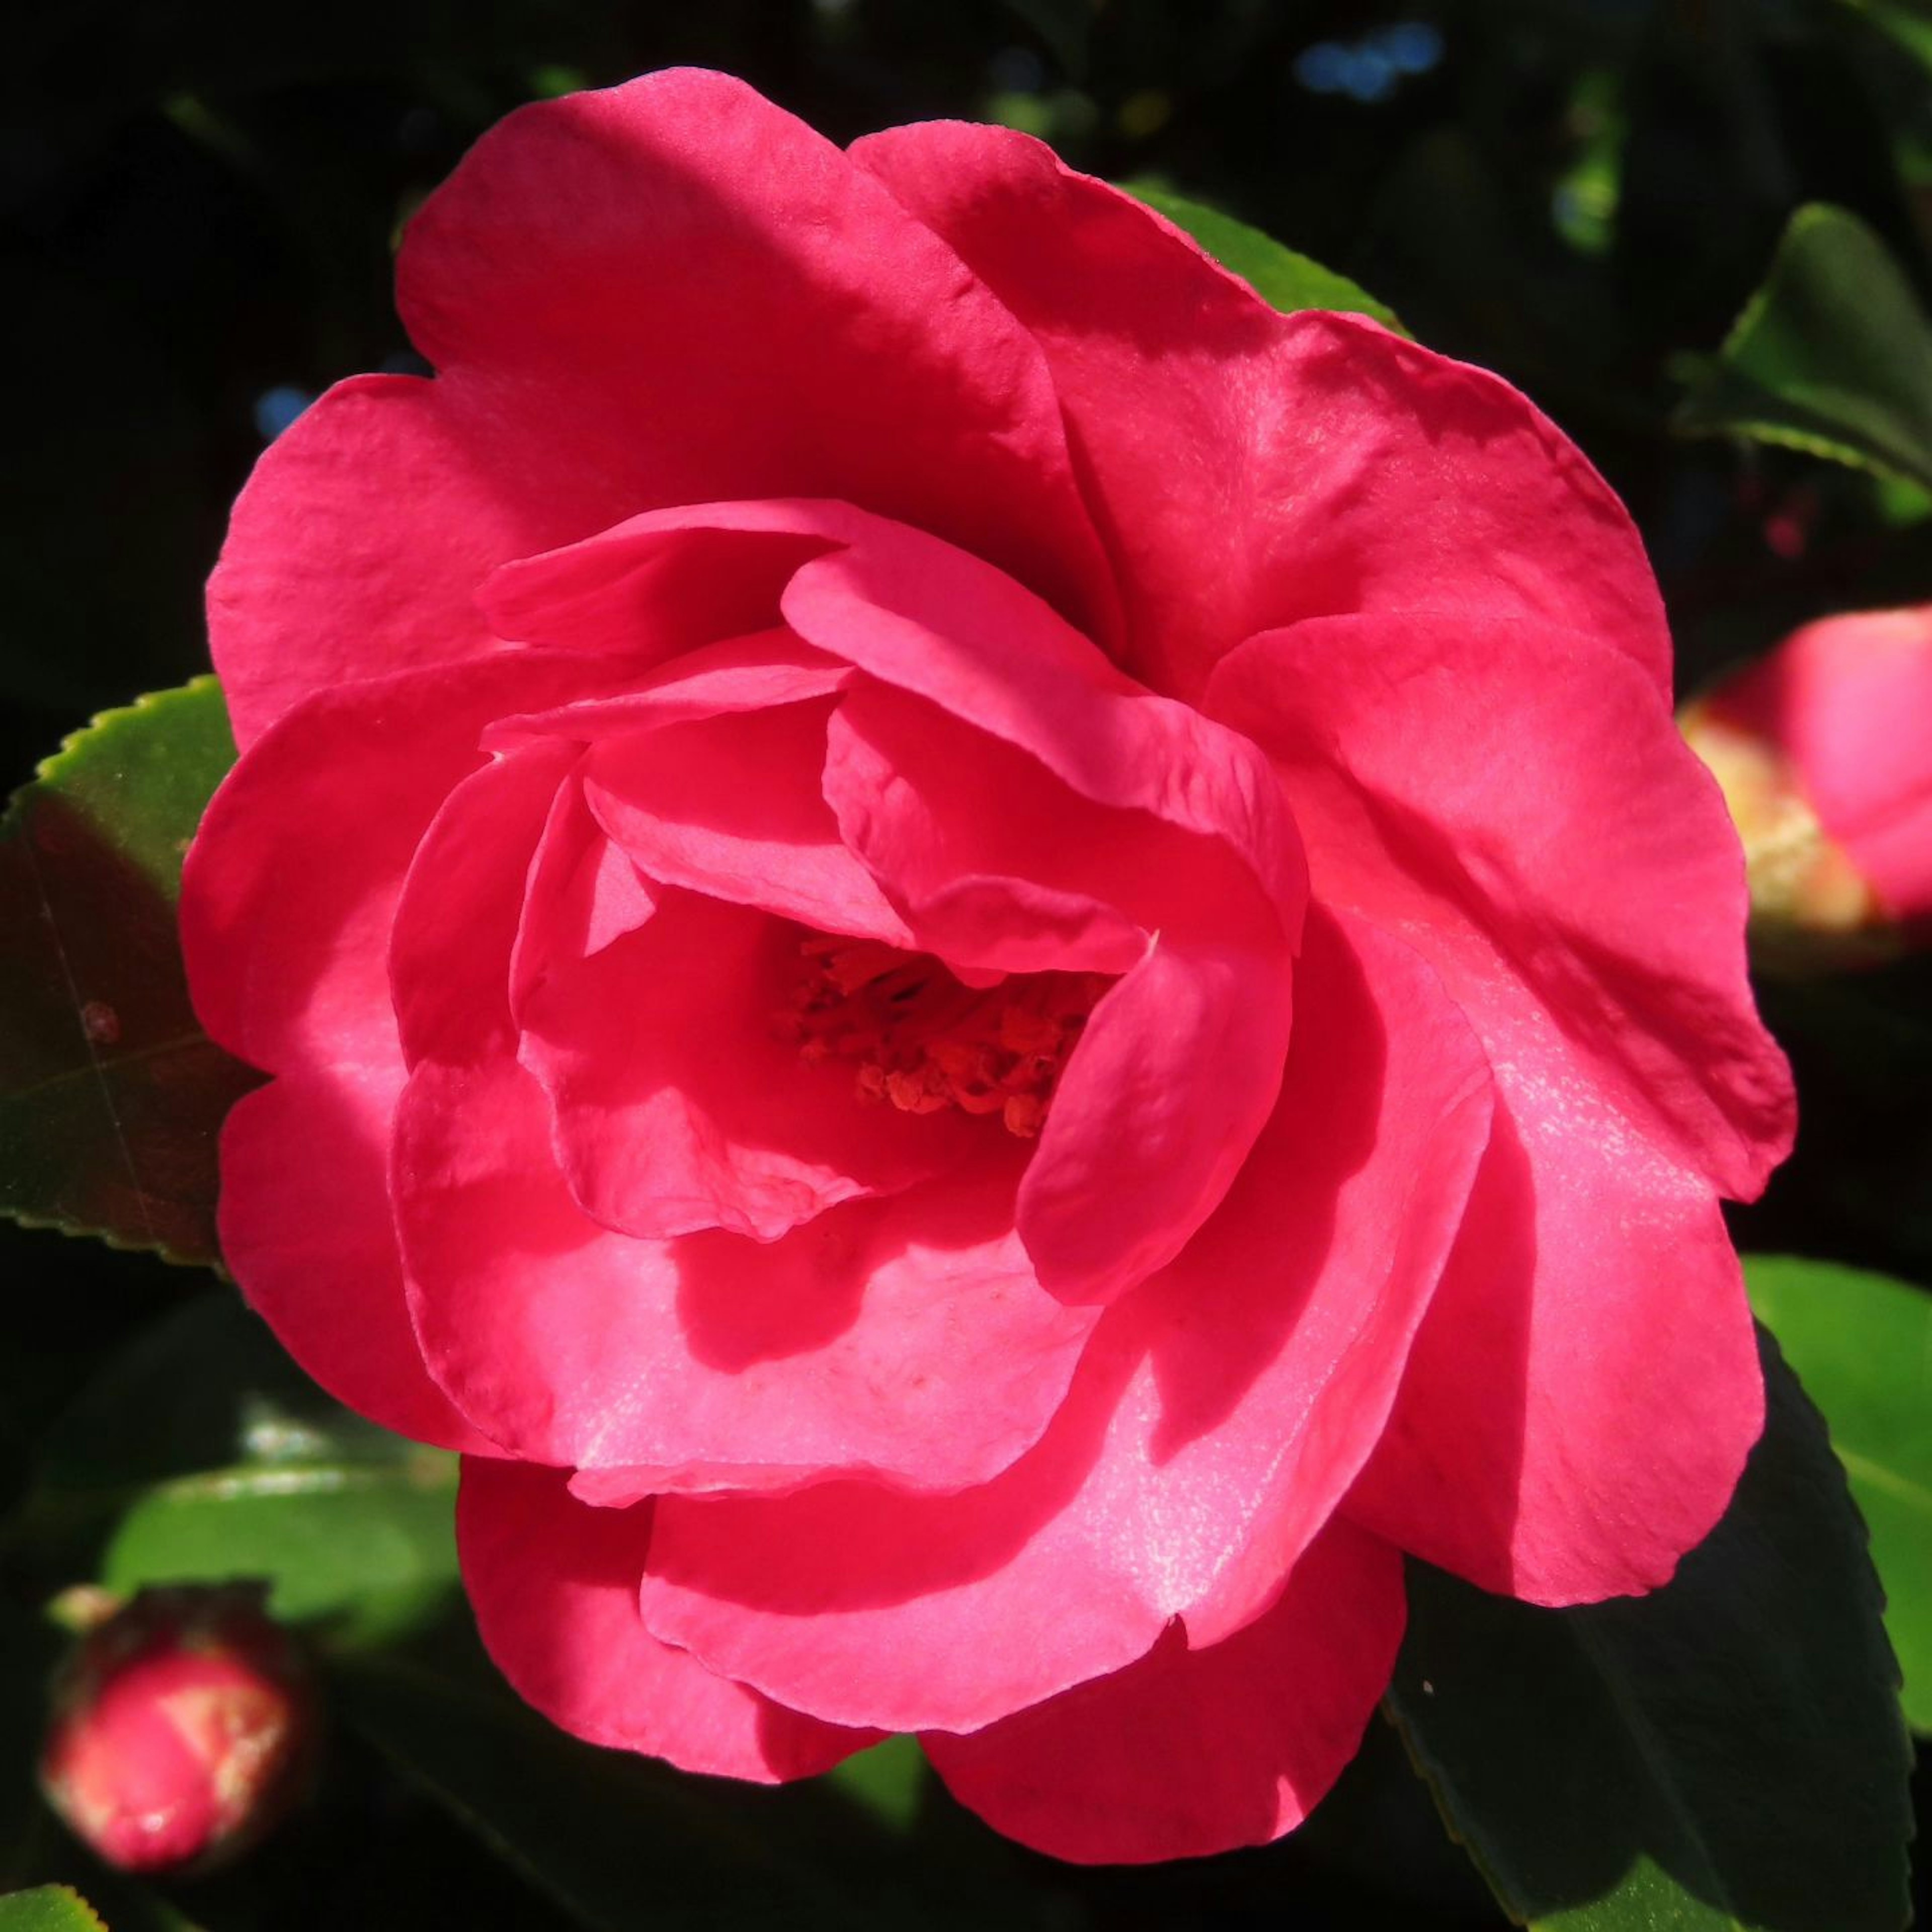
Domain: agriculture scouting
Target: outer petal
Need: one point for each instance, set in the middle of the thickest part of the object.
(317, 587)
(1191, 1751)
(290, 888)
(1594, 1301)
(1582, 1399)
(1221, 1413)
(1518, 801)
(904, 1339)
(553, 1583)
(1249, 470)
(288, 897)
(306, 1230)
(717, 247)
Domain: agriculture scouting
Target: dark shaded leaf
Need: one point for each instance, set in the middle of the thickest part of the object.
(1725, 1752)
(1833, 355)
(1863, 1344)
(111, 1096)
(621, 1841)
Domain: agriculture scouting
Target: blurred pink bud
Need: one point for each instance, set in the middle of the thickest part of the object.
(1824, 751)
(181, 1727)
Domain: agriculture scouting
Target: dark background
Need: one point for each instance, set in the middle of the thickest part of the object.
(198, 203)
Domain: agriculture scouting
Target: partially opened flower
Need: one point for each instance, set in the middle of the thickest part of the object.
(990, 967)
(183, 1725)
(1824, 750)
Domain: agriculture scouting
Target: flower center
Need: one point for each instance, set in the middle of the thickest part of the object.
(922, 1040)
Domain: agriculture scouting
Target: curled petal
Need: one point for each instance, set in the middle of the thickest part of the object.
(553, 1583)
(716, 246)
(903, 1339)
(1585, 909)
(682, 1101)
(1270, 468)
(1219, 1415)
(306, 1228)
(924, 617)
(1196, 1750)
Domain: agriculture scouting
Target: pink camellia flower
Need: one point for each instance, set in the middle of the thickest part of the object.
(181, 1728)
(1824, 750)
(989, 966)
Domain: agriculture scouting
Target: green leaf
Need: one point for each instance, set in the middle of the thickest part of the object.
(1863, 1343)
(1833, 355)
(1725, 1752)
(889, 1780)
(110, 1093)
(201, 1455)
(1280, 277)
(620, 1841)
(48, 1908)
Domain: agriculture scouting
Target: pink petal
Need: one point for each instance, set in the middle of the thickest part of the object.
(1585, 1391)
(715, 247)
(316, 589)
(1219, 1416)
(738, 674)
(457, 921)
(554, 1587)
(1330, 466)
(928, 619)
(732, 807)
(1518, 801)
(289, 890)
(904, 1339)
(288, 898)
(582, 895)
(680, 1103)
(946, 815)
(1128, 1165)
(1517, 804)
(1192, 1751)
(306, 1230)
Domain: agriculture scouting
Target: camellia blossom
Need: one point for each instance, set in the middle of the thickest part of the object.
(988, 967)
(1824, 750)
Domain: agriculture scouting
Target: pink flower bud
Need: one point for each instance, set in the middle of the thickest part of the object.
(1824, 751)
(181, 1727)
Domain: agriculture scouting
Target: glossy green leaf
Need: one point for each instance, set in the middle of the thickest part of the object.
(1725, 1752)
(110, 1093)
(1284, 279)
(48, 1908)
(621, 1841)
(1833, 355)
(201, 1454)
(1863, 1344)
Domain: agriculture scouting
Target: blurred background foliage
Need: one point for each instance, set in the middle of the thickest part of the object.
(199, 202)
